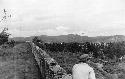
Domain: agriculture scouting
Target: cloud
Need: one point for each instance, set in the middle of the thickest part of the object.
(54, 17)
(1, 2)
(61, 28)
(22, 33)
(53, 32)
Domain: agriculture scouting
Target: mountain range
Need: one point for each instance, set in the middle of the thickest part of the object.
(73, 38)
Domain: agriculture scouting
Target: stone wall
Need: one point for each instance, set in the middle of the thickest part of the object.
(49, 68)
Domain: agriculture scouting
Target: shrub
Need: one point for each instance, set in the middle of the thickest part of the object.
(4, 36)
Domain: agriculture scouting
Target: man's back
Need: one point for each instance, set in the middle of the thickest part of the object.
(83, 71)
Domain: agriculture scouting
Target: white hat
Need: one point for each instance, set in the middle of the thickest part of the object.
(84, 56)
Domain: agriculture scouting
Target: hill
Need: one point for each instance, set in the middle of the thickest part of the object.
(73, 38)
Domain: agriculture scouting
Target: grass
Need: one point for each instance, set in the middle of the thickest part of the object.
(68, 59)
(18, 63)
(65, 59)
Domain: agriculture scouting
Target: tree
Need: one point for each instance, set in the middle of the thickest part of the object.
(4, 35)
(35, 40)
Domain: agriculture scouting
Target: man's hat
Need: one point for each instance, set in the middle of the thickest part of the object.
(85, 56)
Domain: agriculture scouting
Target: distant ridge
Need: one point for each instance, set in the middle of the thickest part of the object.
(73, 38)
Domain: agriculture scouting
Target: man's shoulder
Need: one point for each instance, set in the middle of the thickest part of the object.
(83, 66)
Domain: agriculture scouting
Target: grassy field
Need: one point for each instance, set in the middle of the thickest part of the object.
(114, 70)
(65, 59)
(18, 63)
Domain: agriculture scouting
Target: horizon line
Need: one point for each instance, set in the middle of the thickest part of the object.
(65, 35)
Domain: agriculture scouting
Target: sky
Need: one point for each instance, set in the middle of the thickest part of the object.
(60, 17)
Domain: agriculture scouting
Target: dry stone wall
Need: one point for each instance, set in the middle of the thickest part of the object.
(49, 68)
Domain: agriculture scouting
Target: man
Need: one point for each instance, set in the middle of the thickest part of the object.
(83, 70)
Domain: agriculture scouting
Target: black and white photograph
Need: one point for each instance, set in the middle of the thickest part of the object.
(62, 39)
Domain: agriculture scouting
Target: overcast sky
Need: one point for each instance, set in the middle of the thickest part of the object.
(57, 17)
